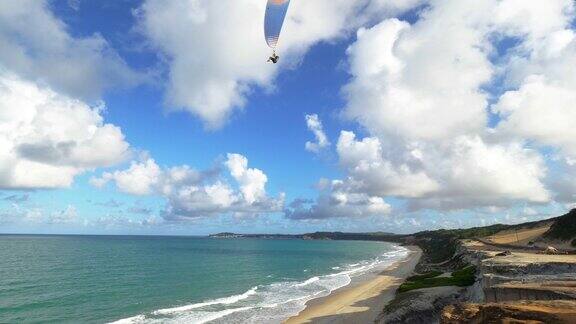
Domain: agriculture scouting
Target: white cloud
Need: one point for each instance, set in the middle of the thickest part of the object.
(541, 75)
(139, 179)
(541, 111)
(561, 180)
(321, 140)
(335, 201)
(191, 194)
(532, 19)
(474, 173)
(462, 173)
(369, 171)
(252, 182)
(422, 91)
(37, 46)
(421, 82)
(216, 53)
(46, 138)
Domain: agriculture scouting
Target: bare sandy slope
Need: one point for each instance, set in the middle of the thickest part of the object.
(528, 258)
(521, 237)
(361, 302)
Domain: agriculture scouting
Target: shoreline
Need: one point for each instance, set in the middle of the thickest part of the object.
(363, 299)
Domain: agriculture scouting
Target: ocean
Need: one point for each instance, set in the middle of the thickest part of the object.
(128, 279)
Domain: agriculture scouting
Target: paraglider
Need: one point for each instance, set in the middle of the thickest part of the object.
(275, 13)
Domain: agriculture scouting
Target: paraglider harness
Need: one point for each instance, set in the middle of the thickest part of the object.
(274, 58)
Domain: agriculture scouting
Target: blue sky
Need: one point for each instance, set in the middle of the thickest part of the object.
(441, 129)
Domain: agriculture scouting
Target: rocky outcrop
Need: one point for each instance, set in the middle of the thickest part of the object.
(524, 276)
(426, 305)
(517, 287)
(517, 312)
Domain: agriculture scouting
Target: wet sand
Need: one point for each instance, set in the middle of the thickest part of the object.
(362, 300)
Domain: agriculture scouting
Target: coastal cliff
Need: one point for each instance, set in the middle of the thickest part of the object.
(519, 286)
(515, 281)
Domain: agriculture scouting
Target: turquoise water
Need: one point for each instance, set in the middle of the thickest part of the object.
(100, 279)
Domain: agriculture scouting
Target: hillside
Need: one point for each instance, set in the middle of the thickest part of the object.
(564, 228)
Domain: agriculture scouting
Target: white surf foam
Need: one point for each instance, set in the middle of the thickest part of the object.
(223, 301)
(307, 282)
(205, 317)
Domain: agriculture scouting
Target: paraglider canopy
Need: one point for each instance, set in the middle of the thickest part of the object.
(275, 13)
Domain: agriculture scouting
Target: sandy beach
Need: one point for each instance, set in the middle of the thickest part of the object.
(362, 300)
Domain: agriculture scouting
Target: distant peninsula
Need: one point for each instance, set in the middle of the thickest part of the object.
(375, 236)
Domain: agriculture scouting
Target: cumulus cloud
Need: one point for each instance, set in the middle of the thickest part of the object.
(139, 179)
(421, 82)
(47, 138)
(191, 194)
(216, 53)
(252, 182)
(541, 73)
(424, 91)
(37, 46)
(371, 172)
(541, 111)
(561, 180)
(464, 173)
(321, 140)
(47, 135)
(420, 90)
(336, 201)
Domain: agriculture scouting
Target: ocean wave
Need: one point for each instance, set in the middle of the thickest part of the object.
(307, 282)
(272, 303)
(223, 301)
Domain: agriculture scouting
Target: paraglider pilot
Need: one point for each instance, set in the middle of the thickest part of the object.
(273, 20)
(274, 58)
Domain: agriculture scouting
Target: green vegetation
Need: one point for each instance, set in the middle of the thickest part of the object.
(574, 243)
(441, 245)
(465, 272)
(461, 278)
(564, 228)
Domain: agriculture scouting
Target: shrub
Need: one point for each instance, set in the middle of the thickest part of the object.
(461, 278)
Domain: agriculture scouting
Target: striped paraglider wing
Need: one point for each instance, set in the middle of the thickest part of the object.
(275, 14)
